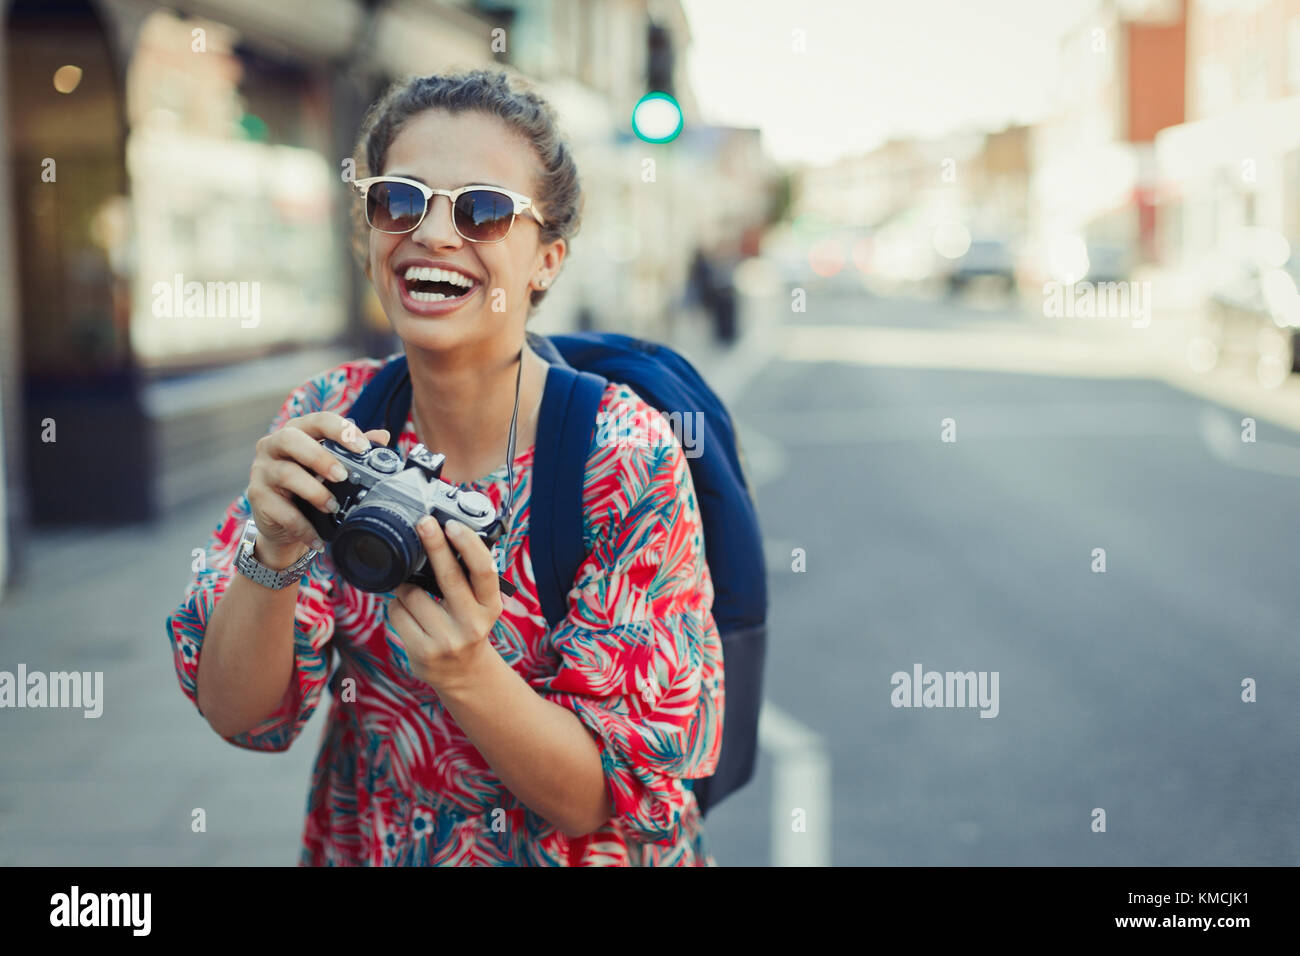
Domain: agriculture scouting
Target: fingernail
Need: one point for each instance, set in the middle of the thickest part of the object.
(338, 472)
(317, 544)
(333, 505)
(426, 524)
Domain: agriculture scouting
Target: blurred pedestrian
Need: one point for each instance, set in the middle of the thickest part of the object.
(722, 297)
(710, 285)
(699, 283)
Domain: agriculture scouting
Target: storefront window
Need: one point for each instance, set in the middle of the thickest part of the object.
(234, 198)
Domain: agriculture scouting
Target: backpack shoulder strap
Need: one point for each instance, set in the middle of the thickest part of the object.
(385, 399)
(565, 424)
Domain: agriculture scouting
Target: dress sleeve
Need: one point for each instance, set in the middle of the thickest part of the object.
(640, 658)
(313, 616)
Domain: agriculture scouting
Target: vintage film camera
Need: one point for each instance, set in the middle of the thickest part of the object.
(372, 538)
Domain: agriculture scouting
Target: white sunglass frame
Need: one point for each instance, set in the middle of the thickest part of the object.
(523, 204)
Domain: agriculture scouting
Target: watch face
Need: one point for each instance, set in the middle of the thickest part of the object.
(246, 543)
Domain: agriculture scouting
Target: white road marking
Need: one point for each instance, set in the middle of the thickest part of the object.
(1037, 352)
(801, 788)
(1222, 436)
(986, 422)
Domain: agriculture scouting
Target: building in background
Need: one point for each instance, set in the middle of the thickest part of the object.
(1086, 173)
(998, 180)
(1230, 189)
(895, 209)
(870, 188)
(1094, 165)
(1235, 163)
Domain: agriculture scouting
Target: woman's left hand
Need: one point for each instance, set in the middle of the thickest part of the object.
(445, 640)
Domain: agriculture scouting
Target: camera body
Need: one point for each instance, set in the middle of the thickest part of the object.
(372, 538)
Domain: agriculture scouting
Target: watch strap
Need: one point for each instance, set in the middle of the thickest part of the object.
(255, 570)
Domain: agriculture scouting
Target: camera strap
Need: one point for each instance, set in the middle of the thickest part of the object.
(510, 447)
(361, 413)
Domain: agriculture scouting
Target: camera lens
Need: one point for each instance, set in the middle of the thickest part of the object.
(376, 548)
(371, 554)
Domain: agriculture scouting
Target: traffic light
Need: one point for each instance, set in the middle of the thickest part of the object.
(659, 60)
(657, 116)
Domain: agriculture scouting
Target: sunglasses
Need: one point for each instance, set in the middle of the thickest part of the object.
(480, 213)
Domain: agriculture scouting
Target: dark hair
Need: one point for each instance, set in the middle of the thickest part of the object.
(496, 93)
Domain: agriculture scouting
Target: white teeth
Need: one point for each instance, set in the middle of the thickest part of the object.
(430, 296)
(427, 274)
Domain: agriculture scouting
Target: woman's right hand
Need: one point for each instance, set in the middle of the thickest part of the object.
(286, 464)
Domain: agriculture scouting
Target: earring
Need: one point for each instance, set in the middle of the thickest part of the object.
(541, 283)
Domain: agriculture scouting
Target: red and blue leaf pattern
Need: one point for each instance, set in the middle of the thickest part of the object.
(638, 659)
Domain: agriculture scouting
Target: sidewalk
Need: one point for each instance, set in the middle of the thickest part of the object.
(1106, 347)
(121, 789)
(727, 368)
(1162, 352)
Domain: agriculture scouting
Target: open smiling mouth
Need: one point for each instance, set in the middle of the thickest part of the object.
(424, 284)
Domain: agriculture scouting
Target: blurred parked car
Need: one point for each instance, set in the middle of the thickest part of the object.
(1254, 313)
(1109, 262)
(987, 258)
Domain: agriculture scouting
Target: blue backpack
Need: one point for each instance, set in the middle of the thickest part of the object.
(582, 364)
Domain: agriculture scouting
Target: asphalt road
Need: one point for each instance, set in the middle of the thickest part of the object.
(1118, 690)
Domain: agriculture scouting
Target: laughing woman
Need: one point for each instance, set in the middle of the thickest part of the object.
(464, 730)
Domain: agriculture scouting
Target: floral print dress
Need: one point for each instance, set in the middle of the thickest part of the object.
(638, 659)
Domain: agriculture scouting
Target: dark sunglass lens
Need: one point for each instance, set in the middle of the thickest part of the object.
(394, 207)
(484, 215)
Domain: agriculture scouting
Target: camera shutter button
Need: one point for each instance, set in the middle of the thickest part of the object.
(475, 504)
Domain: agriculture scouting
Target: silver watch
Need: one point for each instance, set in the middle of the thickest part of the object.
(250, 567)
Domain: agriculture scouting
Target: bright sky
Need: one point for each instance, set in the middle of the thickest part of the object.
(873, 68)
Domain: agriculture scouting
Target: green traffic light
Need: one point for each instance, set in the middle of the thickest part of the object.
(657, 118)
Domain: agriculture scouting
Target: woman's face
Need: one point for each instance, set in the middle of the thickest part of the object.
(445, 151)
